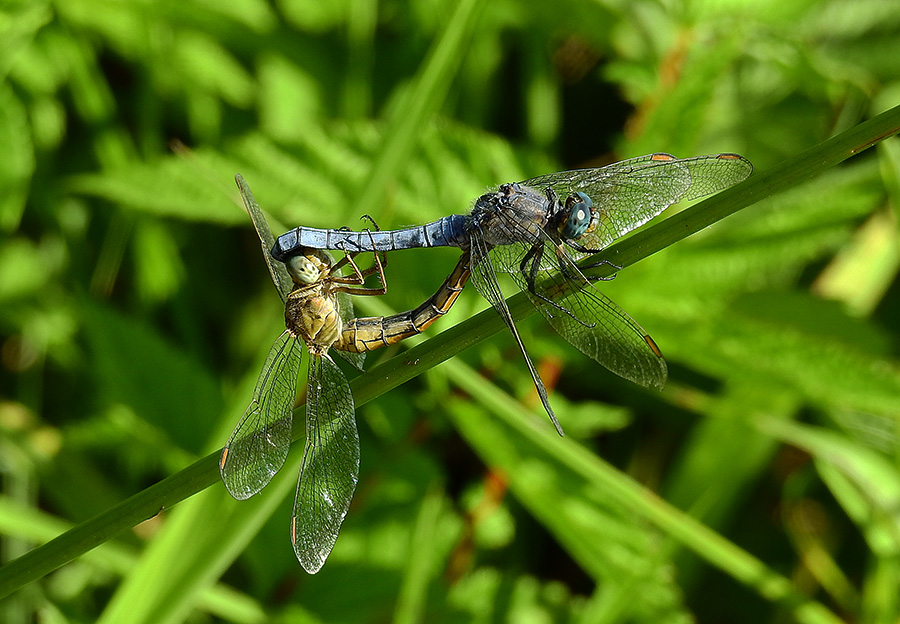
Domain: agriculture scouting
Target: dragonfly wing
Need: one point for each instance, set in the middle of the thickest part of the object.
(345, 308)
(485, 280)
(627, 194)
(592, 323)
(283, 282)
(715, 172)
(259, 444)
(330, 467)
(606, 333)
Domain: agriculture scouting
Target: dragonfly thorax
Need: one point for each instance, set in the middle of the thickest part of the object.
(312, 315)
(510, 214)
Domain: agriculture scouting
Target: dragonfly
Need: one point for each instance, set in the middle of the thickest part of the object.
(539, 229)
(318, 313)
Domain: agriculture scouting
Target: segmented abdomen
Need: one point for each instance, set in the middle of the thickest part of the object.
(445, 232)
(366, 334)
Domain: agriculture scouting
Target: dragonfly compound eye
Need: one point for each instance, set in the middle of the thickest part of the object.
(303, 270)
(578, 207)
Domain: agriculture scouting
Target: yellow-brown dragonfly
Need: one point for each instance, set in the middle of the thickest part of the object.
(317, 312)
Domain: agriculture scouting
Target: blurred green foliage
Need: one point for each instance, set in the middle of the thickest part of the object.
(135, 310)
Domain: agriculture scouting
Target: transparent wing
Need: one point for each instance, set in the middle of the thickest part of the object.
(485, 280)
(611, 338)
(259, 443)
(283, 282)
(330, 467)
(629, 193)
(345, 309)
(592, 323)
(585, 317)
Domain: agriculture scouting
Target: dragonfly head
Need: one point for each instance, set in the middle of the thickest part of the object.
(579, 210)
(308, 267)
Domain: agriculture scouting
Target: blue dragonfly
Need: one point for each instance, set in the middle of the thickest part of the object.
(537, 230)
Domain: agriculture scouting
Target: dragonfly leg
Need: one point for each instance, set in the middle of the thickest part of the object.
(361, 290)
(356, 278)
(566, 265)
(348, 255)
(529, 273)
(369, 218)
(380, 261)
(340, 264)
(599, 278)
(373, 269)
(557, 213)
(593, 265)
(581, 248)
(533, 256)
(360, 277)
(600, 263)
(378, 265)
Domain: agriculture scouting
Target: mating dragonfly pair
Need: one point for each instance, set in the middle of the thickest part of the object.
(536, 231)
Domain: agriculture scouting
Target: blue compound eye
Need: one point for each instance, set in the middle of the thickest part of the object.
(579, 210)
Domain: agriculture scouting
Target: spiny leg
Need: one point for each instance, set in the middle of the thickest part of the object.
(372, 242)
(534, 256)
(377, 267)
(594, 265)
(361, 275)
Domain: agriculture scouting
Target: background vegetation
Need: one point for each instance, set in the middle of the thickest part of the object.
(135, 309)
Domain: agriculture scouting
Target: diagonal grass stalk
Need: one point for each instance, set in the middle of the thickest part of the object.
(203, 473)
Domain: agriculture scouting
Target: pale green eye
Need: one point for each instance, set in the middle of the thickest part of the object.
(302, 270)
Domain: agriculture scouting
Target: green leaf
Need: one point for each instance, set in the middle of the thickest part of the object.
(162, 384)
